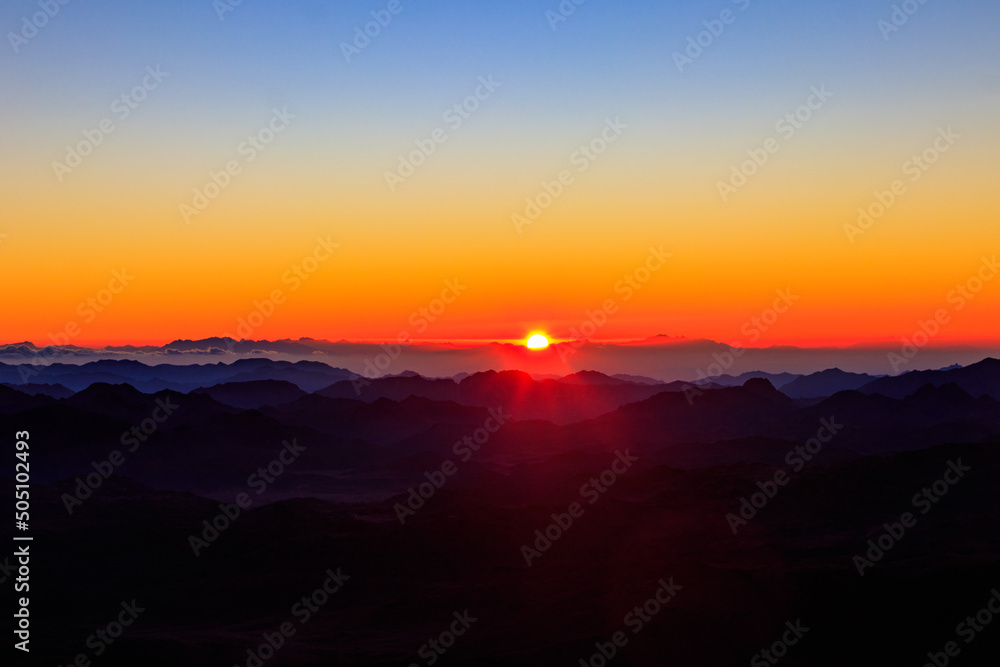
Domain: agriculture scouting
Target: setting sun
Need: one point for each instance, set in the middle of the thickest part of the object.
(537, 342)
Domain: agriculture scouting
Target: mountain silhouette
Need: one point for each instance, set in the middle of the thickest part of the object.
(252, 393)
(979, 379)
(825, 383)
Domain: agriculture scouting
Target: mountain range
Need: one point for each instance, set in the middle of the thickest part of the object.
(547, 509)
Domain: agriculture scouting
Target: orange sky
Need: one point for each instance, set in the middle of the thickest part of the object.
(654, 185)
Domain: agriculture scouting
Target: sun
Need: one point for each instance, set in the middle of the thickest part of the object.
(537, 342)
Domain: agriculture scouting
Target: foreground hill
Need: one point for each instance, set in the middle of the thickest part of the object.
(464, 551)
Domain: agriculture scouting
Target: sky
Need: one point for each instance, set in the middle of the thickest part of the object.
(625, 169)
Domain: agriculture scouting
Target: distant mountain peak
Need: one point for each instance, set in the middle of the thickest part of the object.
(405, 374)
(591, 377)
(761, 386)
(941, 393)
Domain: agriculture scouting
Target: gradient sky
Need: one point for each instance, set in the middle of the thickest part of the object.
(324, 176)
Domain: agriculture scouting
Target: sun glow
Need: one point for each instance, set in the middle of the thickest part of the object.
(537, 342)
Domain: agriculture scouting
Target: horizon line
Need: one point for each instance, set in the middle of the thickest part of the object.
(467, 343)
